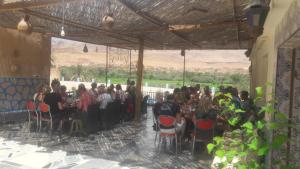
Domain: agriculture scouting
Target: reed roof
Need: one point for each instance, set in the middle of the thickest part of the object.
(163, 24)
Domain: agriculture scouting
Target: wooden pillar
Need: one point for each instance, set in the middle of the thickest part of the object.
(106, 66)
(184, 72)
(138, 91)
(129, 64)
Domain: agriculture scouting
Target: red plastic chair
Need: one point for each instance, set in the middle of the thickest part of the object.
(32, 114)
(204, 131)
(169, 123)
(45, 115)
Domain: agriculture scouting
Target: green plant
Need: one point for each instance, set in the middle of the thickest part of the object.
(246, 146)
(156, 77)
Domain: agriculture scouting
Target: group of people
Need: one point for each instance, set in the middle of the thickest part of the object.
(186, 104)
(189, 104)
(81, 100)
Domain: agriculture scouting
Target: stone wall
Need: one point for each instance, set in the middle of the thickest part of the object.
(24, 64)
(295, 141)
(283, 89)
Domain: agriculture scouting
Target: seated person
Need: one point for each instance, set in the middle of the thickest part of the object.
(157, 105)
(207, 94)
(170, 108)
(120, 94)
(250, 108)
(54, 100)
(156, 108)
(202, 108)
(186, 109)
(37, 96)
(40, 95)
(63, 93)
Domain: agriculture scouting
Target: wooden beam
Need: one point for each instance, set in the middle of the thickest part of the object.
(85, 40)
(191, 27)
(79, 25)
(68, 37)
(188, 27)
(30, 4)
(155, 21)
(91, 29)
(139, 82)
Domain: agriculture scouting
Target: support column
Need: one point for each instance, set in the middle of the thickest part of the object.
(106, 66)
(138, 91)
(129, 64)
(183, 75)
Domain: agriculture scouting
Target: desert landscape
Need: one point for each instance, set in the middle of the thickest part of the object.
(68, 53)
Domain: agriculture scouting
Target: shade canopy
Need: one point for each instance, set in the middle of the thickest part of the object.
(163, 24)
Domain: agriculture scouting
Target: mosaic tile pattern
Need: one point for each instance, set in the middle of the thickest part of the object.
(15, 92)
(131, 144)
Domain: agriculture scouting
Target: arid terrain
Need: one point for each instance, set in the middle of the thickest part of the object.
(67, 53)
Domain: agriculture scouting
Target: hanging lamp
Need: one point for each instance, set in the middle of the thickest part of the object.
(108, 20)
(85, 49)
(182, 53)
(24, 25)
(62, 31)
(256, 13)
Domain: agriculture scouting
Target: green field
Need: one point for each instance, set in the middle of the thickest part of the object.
(156, 78)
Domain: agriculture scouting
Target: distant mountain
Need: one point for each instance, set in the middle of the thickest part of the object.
(67, 53)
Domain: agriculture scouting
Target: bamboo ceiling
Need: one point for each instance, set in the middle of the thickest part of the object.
(163, 24)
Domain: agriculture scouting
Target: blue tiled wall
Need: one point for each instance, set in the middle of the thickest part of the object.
(15, 92)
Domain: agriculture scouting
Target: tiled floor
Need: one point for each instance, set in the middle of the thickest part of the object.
(128, 145)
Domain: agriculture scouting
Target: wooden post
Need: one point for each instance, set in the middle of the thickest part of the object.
(106, 66)
(183, 76)
(129, 64)
(138, 91)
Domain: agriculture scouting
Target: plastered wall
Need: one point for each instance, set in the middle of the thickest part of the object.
(271, 62)
(24, 55)
(264, 52)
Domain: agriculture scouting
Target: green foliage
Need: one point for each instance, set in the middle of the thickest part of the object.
(248, 141)
(156, 78)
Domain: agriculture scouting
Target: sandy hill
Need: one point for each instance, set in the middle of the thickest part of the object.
(67, 53)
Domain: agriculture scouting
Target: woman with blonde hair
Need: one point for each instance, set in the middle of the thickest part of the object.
(203, 108)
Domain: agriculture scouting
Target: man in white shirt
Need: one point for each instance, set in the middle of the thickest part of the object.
(104, 99)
